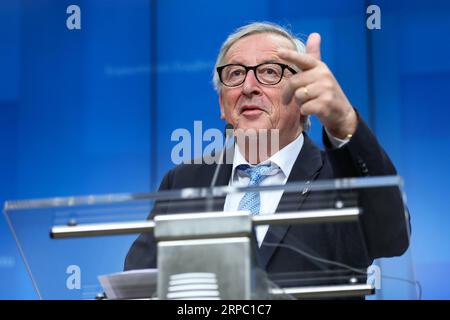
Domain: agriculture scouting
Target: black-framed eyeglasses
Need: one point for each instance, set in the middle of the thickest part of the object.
(233, 75)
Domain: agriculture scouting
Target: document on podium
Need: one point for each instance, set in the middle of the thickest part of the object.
(134, 284)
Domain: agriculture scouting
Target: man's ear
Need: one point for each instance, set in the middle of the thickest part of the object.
(222, 108)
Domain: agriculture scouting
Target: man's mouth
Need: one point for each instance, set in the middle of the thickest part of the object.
(249, 110)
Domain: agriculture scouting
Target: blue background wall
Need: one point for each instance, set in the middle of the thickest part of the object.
(91, 111)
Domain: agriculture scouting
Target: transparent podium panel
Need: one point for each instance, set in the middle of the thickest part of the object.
(327, 239)
(68, 268)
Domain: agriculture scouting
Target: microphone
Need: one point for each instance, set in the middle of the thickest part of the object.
(228, 134)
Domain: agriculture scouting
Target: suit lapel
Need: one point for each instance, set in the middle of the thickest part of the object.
(306, 168)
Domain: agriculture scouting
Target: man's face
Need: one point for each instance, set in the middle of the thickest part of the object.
(253, 105)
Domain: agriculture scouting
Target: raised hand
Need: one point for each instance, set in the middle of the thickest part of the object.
(316, 90)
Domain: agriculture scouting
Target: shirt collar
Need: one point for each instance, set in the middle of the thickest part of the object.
(284, 158)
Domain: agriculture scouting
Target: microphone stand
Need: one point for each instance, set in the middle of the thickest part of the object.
(210, 199)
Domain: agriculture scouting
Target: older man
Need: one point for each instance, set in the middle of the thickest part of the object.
(268, 79)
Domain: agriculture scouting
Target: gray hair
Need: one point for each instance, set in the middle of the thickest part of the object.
(254, 28)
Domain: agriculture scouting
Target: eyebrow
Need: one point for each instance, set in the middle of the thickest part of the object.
(265, 61)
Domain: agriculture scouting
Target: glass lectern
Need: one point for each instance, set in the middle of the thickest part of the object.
(312, 247)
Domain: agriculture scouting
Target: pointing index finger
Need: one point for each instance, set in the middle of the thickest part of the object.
(302, 60)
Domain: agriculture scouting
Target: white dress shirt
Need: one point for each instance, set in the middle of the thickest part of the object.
(269, 200)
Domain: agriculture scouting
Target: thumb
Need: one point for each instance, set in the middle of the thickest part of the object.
(313, 45)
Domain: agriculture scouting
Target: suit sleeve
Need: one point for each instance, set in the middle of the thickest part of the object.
(142, 254)
(385, 220)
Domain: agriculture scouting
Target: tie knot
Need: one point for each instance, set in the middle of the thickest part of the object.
(257, 173)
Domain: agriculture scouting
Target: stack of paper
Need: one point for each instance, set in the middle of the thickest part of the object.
(134, 284)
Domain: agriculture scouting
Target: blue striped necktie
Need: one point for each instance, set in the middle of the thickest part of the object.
(251, 201)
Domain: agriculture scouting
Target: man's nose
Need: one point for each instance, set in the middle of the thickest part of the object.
(251, 86)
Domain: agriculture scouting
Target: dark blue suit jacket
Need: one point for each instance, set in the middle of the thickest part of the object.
(382, 231)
